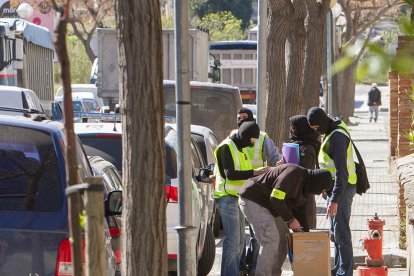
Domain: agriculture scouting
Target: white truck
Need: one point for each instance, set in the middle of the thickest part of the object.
(105, 72)
(26, 58)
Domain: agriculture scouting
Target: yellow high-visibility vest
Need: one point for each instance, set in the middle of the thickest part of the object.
(326, 162)
(224, 186)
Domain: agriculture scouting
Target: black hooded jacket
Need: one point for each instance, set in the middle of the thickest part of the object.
(307, 139)
(295, 181)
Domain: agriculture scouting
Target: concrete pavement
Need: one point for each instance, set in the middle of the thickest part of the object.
(372, 140)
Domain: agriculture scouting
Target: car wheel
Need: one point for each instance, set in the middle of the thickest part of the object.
(209, 253)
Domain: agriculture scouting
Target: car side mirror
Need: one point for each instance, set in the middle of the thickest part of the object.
(113, 203)
(204, 175)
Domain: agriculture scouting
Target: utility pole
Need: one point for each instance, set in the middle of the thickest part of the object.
(261, 64)
(186, 231)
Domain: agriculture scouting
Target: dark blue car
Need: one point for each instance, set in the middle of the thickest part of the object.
(33, 206)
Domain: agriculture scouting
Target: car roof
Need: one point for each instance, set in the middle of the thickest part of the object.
(195, 129)
(207, 85)
(95, 128)
(51, 126)
(12, 88)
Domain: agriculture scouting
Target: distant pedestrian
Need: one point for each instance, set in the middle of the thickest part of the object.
(309, 144)
(374, 101)
(336, 156)
(232, 169)
(274, 201)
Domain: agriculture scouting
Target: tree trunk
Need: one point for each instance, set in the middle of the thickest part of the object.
(140, 60)
(296, 39)
(315, 27)
(280, 18)
(346, 92)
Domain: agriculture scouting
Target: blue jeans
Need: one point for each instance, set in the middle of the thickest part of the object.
(233, 228)
(341, 234)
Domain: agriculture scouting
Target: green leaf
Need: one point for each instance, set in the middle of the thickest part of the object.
(341, 64)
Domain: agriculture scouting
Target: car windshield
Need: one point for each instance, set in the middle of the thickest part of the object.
(77, 106)
(29, 172)
(210, 108)
(108, 147)
(92, 104)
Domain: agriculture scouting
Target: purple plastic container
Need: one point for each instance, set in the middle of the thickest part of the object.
(290, 152)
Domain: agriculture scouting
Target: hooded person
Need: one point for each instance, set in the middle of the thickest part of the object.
(274, 201)
(336, 155)
(232, 169)
(309, 144)
(244, 115)
(263, 152)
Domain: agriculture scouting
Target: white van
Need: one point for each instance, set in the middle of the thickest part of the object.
(19, 98)
(83, 91)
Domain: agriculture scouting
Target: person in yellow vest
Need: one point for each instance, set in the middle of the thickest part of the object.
(263, 152)
(336, 156)
(232, 169)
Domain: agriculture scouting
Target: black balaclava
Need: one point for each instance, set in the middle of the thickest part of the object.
(318, 180)
(246, 131)
(248, 112)
(317, 116)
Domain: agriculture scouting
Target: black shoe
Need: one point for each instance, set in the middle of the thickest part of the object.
(370, 119)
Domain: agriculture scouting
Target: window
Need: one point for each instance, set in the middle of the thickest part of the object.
(170, 162)
(109, 148)
(30, 179)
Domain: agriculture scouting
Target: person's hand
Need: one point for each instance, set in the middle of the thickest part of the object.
(294, 225)
(260, 170)
(331, 211)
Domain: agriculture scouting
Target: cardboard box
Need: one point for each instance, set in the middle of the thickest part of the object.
(311, 253)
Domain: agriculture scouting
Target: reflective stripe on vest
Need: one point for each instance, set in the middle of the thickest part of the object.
(255, 153)
(241, 162)
(325, 162)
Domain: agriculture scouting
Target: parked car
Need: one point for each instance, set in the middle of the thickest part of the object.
(82, 91)
(212, 105)
(34, 234)
(207, 142)
(19, 98)
(105, 140)
(112, 182)
(202, 204)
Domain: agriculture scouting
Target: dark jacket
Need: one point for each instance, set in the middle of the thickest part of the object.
(336, 149)
(374, 97)
(290, 179)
